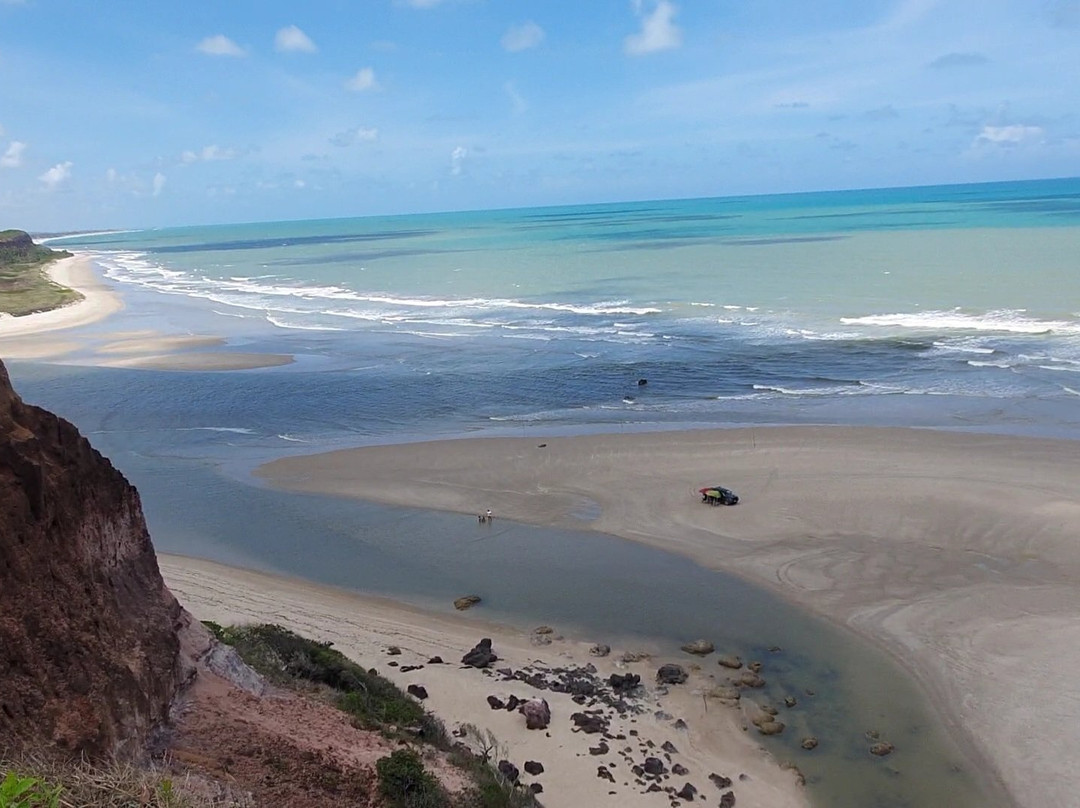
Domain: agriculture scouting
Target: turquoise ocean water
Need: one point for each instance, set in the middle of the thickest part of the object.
(945, 307)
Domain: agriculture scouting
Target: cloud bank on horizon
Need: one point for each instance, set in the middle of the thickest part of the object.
(264, 110)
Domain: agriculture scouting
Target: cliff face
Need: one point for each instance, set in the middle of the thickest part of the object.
(89, 654)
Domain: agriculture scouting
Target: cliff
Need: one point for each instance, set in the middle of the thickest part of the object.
(90, 656)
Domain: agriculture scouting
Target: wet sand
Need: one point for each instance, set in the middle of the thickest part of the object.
(956, 552)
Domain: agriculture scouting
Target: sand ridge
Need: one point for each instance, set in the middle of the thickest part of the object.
(956, 552)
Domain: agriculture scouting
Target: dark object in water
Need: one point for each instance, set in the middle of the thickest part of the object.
(642, 382)
(718, 495)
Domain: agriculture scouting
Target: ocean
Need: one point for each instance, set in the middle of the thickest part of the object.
(953, 307)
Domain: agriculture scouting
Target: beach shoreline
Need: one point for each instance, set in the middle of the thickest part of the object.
(949, 550)
(35, 336)
(401, 641)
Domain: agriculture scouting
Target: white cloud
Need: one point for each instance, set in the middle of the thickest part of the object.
(57, 174)
(1008, 135)
(159, 183)
(13, 156)
(457, 160)
(208, 154)
(362, 81)
(291, 38)
(522, 37)
(220, 45)
(350, 137)
(658, 30)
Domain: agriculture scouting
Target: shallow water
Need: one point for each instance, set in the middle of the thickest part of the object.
(589, 585)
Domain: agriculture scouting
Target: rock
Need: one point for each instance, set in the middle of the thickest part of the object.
(699, 648)
(590, 723)
(755, 666)
(537, 713)
(679, 770)
(536, 788)
(603, 773)
(94, 646)
(509, 771)
(720, 781)
(809, 742)
(687, 793)
(750, 679)
(533, 767)
(790, 701)
(466, 602)
(540, 639)
(727, 800)
(481, 656)
(513, 703)
(882, 748)
(671, 674)
(495, 703)
(600, 650)
(623, 684)
(417, 690)
(435, 660)
(669, 747)
(393, 650)
(730, 661)
(654, 766)
(543, 630)
(635, 656)
(600, 749)
(770, 727)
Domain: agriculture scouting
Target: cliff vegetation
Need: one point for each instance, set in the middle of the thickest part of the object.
(25, 288)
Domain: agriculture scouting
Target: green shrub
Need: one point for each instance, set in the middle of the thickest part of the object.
(27, 792)
(406, 784)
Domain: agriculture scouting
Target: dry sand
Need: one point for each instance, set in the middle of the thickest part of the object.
(957, 552)
(99, 301)
(364, 628)
(22, 337)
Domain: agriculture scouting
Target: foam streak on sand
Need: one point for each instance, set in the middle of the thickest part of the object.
(364, 628)
(957, 552)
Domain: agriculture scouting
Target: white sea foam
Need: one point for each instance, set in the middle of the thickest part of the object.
(238, 430)
(977, 364)
(1003, 320)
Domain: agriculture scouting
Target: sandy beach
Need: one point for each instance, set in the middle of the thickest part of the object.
(364, 628)
(32, 337)
(956, 552)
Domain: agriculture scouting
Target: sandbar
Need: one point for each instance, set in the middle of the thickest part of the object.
(957, 553)
(364, 628)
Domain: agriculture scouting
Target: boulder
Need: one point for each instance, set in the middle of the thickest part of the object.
(687, 793)
(481, 656)
(730, 661)
(533, 767)
(600, 650)
(671, 674)
(699, 648)
(509, 771)
(417, 690)
(466, 602)
(537, 713)
(882, 748)
(809, 742)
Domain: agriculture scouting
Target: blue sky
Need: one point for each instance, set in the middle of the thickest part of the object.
(137, 114)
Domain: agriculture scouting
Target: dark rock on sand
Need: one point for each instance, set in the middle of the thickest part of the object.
(671, 674)
(882, 748)
(720, 781)
(590, 722)
(603, 773)
(653, 766)
(600, 650)
(509, 771)
(533, 767)
(687, 793)
(624, 683)
(727, 800)
(679, 770)
(481, 656)
(393, 650)
(536, 788)
(435, 660)
(495, 703)
(537, 713)
(417, 690)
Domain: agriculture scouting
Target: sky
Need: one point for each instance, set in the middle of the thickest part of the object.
(127, 113)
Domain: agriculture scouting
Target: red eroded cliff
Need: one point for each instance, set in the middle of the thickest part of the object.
(89, 654)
